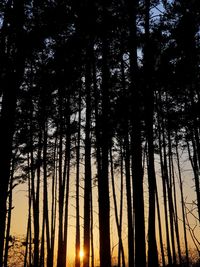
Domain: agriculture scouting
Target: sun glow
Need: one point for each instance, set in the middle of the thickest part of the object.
(81, 254)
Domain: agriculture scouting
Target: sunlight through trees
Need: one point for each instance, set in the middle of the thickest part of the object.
(99, 133)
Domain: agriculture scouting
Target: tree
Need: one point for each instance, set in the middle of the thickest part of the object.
(13, 60)
(136, 146)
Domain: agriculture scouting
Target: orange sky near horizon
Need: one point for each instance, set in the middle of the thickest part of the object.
(20, 204)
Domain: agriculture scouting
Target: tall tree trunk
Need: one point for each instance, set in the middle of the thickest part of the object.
(149, 106)
(121, 248)
(53, 206)
(136, 146)
(97, 120)
(61, 189)
(77, 249)
(169, 256)
(45, 197)
(103, 177)
(66, 178)
(129, 203)
(35, 187)
(169, 194)
(91, 231)
(88, 174)
(60, 213)
(29, 228)
(118, 221)
(160, 229)
(176, 225)
(9, 215)
(14, 74)
(127, 171)
(182, 202)
(26, 242)
(195, 167)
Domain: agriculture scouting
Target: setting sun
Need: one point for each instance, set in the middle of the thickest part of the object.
(81, 254)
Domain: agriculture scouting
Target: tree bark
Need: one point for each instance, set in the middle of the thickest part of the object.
(149, 109)
(88, 174)
(182, 202)
(14, 74)
(136, 146)
(77, 245)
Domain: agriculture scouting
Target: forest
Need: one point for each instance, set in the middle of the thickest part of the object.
(100, 133)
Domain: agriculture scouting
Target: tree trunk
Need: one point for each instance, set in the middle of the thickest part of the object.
(88, 174)
(66, 178)
(160, 230)
(53, 206)
(182, 202)
(170, 200)
(14, 74)
(118, 221)
(77, 250)
(129, 204)
(125, 126)
(169, 256)
(176, 225)
(45, 206)
(103, 177)
(136, 146)
(149, 106)
(9, 215)
(91, 231)
(61, 189)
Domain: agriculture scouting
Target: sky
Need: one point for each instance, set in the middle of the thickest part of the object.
(20, 204)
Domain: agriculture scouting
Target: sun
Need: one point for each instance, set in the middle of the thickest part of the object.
(81, 254)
